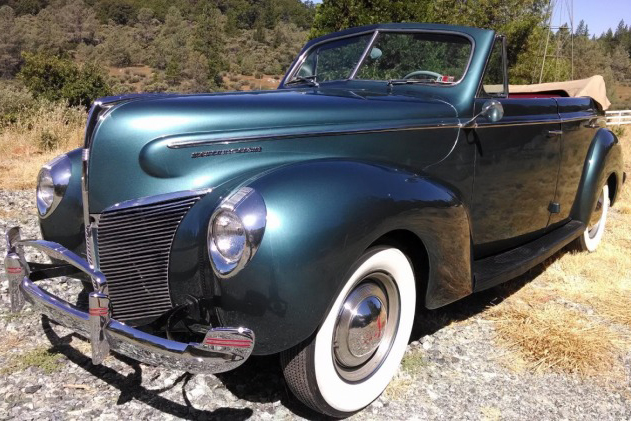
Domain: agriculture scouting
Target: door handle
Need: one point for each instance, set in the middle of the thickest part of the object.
(554, 133)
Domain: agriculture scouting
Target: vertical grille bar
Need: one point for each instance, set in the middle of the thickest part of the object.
(134, 244)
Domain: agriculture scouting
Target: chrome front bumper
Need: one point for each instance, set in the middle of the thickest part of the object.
(222, 349)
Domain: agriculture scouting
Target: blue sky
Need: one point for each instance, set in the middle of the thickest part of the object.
(599, 15)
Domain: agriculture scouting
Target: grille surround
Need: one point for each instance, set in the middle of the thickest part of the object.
(132, 249)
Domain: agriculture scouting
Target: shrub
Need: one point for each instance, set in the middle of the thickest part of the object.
(54, 78)
(618, 130)
(16, 101)
(48, 140)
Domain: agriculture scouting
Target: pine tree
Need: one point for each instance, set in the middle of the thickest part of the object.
(209, 41)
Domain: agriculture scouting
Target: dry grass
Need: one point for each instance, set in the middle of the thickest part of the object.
(576, 315)
(34, 140)
(551, 336)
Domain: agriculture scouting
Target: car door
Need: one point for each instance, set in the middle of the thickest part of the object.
(516, 165)
(580, 123)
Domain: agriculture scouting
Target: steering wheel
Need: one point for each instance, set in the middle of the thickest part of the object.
(437, 76)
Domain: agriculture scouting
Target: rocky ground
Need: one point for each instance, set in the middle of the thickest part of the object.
(454, 369)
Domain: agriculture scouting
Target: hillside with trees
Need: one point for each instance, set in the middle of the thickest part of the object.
(76, 50)
(156, 45)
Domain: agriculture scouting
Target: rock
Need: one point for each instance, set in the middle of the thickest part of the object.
(32, 389)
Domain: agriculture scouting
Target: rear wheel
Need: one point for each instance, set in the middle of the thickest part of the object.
(353, 356)
(590, 239)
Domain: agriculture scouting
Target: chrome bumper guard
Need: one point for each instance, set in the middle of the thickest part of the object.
(222, 349)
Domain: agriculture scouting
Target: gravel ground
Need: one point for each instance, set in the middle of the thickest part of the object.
(452, 370)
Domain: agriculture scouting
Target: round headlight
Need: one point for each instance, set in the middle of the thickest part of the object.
(228, 235)
(52, 182)
(45, 191)
(235, 231)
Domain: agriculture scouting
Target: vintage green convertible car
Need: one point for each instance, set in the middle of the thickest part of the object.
(390, 171)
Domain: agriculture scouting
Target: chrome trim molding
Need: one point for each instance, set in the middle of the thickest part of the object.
(150, 200)
(524, 123)
(90, 244)
(222, 349)
(176, 144)
(364, 54)
(60, 170)
(248, 205)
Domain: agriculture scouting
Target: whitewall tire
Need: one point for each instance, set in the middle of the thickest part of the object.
(357, 350)
(590, 239)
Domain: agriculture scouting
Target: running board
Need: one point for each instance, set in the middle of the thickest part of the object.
(494, 270)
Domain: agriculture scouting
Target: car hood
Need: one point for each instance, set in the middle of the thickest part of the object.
(146, 144)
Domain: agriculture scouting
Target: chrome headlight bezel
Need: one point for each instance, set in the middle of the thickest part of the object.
(248, 207)
(58, 171)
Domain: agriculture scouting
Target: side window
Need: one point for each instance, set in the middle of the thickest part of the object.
(494, 77)
(335, 59)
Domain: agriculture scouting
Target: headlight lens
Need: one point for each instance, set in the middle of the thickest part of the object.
(52, 182)
(229, 236)
(45, 191)
(235, 231)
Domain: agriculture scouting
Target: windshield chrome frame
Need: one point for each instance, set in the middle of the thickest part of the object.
(301, 59)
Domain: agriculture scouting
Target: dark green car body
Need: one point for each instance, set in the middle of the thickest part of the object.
(343, 166)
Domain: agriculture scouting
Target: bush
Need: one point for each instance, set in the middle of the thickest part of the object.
(618, 130)
(54, 78)
(48, 140)
(16, 101)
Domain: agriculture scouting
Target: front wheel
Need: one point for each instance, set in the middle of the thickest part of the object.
(592, 236)
(353, 356)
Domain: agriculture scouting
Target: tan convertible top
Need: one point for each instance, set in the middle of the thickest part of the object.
(593, 86)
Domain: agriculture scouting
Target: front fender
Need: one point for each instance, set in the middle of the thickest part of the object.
(65, 224)
(604, 158)
(322, 215)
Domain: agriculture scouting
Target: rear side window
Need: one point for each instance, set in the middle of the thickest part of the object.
(494, 77)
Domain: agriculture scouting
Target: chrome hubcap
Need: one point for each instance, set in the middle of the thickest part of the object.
(366, 327)
(596, 216)
(361, 325)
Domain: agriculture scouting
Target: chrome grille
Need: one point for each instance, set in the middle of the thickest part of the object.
(133, 247)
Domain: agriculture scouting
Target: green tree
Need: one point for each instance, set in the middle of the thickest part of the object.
(55, 78)
(335, 15)
(121, 12)
(582, 30)
(10, 43)
(259, 31)
(209, 41)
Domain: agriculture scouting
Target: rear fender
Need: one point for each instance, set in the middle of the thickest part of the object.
(603, 159)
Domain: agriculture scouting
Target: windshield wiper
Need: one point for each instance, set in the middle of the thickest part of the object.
(310, 80)
(392, 82)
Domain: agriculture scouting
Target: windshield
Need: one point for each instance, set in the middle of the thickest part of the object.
(394, 56)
